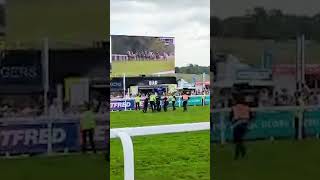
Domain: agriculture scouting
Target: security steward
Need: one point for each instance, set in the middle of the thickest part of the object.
(145, 103)
(137, 99)
(185, 98)
(173, 102)
(240, 118)
(88, 124)
(165, 103)
(152, 102)
(158, 102)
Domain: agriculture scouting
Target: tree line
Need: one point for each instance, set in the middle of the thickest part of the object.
(259, 23)
(192, 69)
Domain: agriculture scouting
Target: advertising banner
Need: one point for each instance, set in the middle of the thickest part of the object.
(194, 100)
(101, 133)
(68, 136)
(277, 124)
(312, 122)
(33, 138)
(121, 104)
(21, 68)
(254, 74)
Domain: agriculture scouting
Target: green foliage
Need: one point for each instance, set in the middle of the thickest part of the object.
(259, 23)
(193, 69)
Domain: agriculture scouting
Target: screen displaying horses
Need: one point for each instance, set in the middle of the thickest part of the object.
(142, 55)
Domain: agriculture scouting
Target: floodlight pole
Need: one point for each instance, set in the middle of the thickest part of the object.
(298, 65)
(303, 59)
(45, 82)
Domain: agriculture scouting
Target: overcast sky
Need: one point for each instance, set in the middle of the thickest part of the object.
(186, 20)
(225, 8)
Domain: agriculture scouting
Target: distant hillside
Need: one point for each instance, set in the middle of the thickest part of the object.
(251, 51)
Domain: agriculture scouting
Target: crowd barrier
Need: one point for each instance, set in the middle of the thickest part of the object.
(31, 135)
(276, 122)
(129, 104)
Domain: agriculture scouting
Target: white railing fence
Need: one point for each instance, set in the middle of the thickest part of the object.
(125, 135)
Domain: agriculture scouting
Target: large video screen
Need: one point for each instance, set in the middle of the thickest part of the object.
(142, 55)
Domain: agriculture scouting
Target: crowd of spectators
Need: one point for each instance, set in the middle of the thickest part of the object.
(147, 55)
(119, 95)
(268, 98)
(34, 107)
(20, 106)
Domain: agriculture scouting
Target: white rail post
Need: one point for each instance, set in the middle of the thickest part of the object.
(128, 156)
(300, 123)
(222, 128)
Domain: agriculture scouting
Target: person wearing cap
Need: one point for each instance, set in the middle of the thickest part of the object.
(240, 118)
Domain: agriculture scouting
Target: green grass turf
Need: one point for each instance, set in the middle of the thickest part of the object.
(170, 156)
(80, 21)
(181, 156)
(77, 167)
(134, 68)
(138, 118)
(269, 160)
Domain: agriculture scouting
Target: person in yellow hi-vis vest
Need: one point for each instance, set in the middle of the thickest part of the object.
(88, 124)
(153, 102)
(137, 100)
(240, 117)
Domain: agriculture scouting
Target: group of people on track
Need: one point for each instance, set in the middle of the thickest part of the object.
(156, 102)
